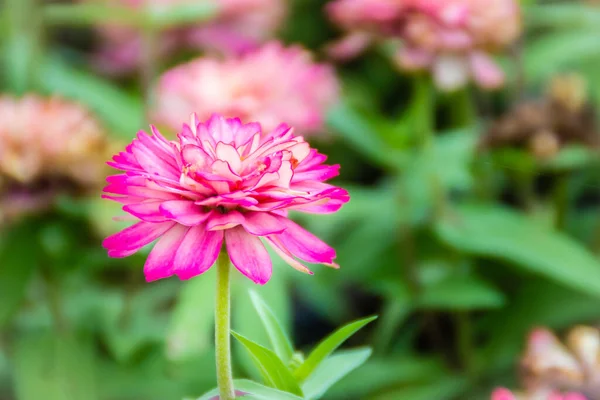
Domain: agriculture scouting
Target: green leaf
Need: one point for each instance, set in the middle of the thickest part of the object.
(19, 259)
(379, 374)
(54, 368)
(190, 329)
(273, 370)
(535, 304)
(504, 234)
(282, 345)
(360, 134)
(561, 50)
(328, 346)
(460, 293)
(122, 113)
(562, 16)
(334, 368)
(255, 390)
(153, 16)
(448, 387)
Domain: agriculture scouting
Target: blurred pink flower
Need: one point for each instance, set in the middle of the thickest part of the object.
(240, 25)
(452, 38)
(47, 146)
(505, 394)
(222, 181)
(549, 364)
(269, 85)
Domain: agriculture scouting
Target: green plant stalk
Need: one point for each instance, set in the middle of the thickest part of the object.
(464, 340)
(561, 201)
(149, 68)
(222, 329)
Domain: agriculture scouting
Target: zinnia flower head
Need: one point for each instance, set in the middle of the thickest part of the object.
(452, 38)
(505, 394)
(268, 85)
(221, 181)
(549, 364)
(239, 26)
(47, 145)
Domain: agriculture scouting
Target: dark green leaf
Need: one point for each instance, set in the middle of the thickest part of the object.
(445, 388)
(334, 368)
(273, 370)
(460, 293)
(328, 346)
(360, 134)
(379, 374)
(282, 345)
(501, 233)
(18, 256)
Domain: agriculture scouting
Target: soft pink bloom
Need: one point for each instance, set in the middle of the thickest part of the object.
(453, 38)
(269, 85)
(48, 146)
(221, 182)
(239, 25)
(505, 394)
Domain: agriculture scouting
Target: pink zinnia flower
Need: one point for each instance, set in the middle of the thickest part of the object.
(222, 181)
(269, 85)
(239, 26)
(48, 146)
(452, 38)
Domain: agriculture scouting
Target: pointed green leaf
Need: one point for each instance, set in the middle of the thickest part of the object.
(328, 346)
(334, 368)
(273, 370)
(501, 233)
(282, 345)
(254, 390)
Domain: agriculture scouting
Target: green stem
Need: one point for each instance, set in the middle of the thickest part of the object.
(464, 341)
(424, 124)
(55, 304)
(222, 330)
(463, 113)
(561, 201)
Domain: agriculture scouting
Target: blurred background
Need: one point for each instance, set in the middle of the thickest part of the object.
(467, 135)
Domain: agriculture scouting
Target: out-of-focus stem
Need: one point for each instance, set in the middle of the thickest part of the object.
(464, 340)
(561, 201)
(222, 329)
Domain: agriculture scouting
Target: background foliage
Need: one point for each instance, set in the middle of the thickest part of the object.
(459, 251)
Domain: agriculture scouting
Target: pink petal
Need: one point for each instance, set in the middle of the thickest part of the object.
(262, 224)
(131, 239)
(184, 212)
(486, 72)
(194, 155)
(227, 152)
(248, 255)
(503, 394)
(303, 244)
(287, 256)
(146, 211)
(159, 263)
(228, 220)
(197, 252)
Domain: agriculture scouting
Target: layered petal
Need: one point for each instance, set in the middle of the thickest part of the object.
(248, 255)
